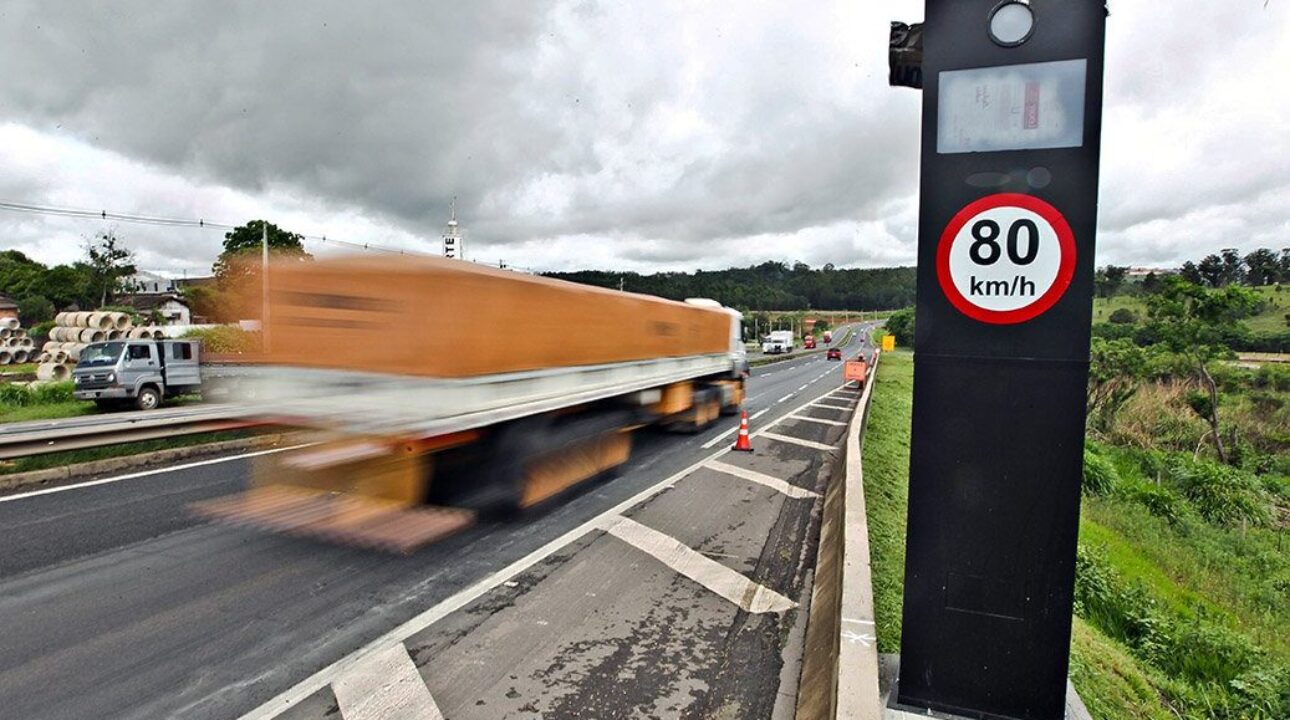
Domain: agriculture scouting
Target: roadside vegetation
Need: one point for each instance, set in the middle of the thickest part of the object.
(143, 447)
(1183, 568)
(42, 401)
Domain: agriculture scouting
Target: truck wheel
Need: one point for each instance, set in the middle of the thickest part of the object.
(149, 398)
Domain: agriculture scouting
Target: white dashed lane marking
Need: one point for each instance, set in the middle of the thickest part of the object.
(821, 421)
(709, 573)
(385, 686)
(773, 483)
(795, 441)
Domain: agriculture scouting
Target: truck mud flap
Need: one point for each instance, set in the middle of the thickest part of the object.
(338, 517)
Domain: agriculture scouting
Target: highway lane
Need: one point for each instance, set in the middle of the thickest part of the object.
(115, 603)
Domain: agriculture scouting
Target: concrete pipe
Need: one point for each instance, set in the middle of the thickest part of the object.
(58, 357)
(89, 335)
(74, 353)
(26, 342)
(61, 318)
(114, 334)
(10, 323)
(80, 319)
(136, 333)
(50, 346)
(20, 355)
(6, 356)
(56, 334)
(101, 321)
(5, 333)
(120, 320)
(52, 372)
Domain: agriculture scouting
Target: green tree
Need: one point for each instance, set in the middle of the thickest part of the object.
(1108, 280)
(1262, 267)
(1189, 318)
(901, 324)
(208, 302)
(1116, 369)
(243, 243)
(109, 264)
(35, 309)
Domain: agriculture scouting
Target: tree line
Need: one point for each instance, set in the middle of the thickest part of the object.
(769, 286)
(103, 274)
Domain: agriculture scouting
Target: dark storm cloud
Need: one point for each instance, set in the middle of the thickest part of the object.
(393, 109)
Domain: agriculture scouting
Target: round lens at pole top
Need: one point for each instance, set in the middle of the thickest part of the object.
(1011, 23)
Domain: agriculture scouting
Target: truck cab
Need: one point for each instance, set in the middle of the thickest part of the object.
(138, 372)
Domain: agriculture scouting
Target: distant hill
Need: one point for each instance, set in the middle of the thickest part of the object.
(769, 286)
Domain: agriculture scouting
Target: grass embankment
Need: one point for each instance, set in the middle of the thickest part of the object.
(40, 402)
(1183, 592)
(71, 457)
(1272, 318)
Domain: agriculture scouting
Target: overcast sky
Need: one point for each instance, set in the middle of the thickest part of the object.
(644, 135)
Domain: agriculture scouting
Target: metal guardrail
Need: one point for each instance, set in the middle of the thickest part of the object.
(39, 437)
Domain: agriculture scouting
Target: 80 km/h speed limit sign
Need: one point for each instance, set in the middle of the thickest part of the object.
(1006, 258)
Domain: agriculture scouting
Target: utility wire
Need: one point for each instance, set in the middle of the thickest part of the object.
(207, 224)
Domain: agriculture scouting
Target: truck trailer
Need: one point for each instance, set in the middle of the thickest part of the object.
(422, 428)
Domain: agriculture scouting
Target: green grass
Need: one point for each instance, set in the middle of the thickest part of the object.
(18, 368)
(1273, 317)
(1204, 590)
(43, 462)
(1109, 680)
(70, 408)
(886, 486)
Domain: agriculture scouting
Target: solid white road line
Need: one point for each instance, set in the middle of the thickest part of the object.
(386, 686)
(796, 441)
(709, 573)
(293, 695)
(821, 421)
(773, 483)
(145, 473)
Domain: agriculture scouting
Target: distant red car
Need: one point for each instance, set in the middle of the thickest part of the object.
(833, 354)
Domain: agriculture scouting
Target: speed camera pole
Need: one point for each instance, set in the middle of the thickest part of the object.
(1012, 104)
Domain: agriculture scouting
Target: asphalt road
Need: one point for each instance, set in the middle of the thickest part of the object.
(114, 602)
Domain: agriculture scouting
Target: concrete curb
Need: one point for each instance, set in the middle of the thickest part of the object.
(840, 668)
(133, 462)
(857, 693)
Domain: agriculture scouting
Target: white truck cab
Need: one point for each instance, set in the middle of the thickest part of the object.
(141, 372)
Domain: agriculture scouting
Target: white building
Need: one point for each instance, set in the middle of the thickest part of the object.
(171, 308)
(149, 283)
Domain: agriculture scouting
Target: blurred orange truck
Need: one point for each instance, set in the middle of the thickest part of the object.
(442, 390)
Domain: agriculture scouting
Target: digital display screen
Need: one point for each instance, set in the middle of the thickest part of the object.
(1011, 107)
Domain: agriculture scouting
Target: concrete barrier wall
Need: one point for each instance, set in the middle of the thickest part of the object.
(840, 662)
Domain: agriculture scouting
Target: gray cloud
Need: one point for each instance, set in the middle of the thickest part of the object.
(652, 135)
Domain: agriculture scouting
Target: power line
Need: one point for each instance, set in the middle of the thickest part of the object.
(203, 224)
(175, 222)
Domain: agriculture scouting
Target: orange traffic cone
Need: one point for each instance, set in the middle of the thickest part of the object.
(742, 444)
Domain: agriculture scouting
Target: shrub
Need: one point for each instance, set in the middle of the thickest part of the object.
(1100, 476)
(225, 339)
(1222, 495)
(1123, 316)
(901, 324)
(1158, 500)
(14, 395)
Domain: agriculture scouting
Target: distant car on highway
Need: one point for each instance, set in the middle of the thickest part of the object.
(833, 354)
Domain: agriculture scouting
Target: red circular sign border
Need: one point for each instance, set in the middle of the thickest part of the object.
(1065, 270)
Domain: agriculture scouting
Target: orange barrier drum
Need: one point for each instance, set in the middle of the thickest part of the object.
(453, 319)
